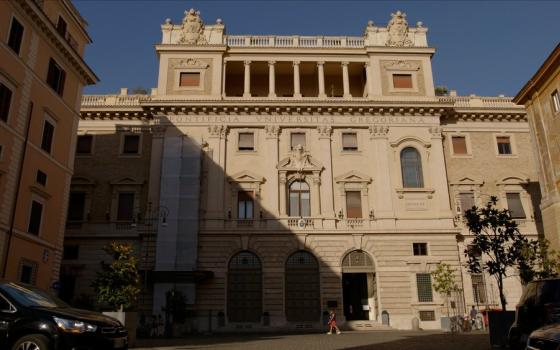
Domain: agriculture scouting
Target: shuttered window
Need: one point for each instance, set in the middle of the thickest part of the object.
(466, 201)
(350, 141)
(515, 206)
(246, 141)
(459, 144)
(402, 81)
(353, 204)
(479, 288)
(189, 79)
(297, 138)
(504, 144)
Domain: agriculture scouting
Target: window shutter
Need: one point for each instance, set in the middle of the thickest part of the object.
(459, 144)
(467, 201)
(353, 204)
(514, 205)
(402, 81)
(297, 139)
(189, 79)
(349, 141)
(246, 141)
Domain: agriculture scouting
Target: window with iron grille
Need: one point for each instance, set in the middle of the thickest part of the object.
(427, 315)
(479, 288)
(16, 36)
(424, 284)
(420, 249)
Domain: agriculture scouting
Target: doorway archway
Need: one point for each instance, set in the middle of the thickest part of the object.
(359, 286)
(302, 292)
(244, 288)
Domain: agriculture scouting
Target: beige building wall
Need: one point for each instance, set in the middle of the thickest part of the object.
(35, 257)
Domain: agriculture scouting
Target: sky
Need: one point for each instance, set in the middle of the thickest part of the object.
(485, 48)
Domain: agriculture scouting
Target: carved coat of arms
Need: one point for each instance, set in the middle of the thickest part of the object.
(398, 30)
(193, 29)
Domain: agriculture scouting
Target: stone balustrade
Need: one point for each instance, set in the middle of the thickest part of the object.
(480, 102)
(294, 41)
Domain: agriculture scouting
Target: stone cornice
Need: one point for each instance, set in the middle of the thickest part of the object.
(43, 23)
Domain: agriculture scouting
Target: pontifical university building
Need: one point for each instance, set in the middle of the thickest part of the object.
(272, 178)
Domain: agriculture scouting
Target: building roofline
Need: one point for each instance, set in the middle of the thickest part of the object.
(550, 63)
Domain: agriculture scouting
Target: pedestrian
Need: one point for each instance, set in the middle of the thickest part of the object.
(160, 327)
(473, 317)
(332, 323)
(153, 329)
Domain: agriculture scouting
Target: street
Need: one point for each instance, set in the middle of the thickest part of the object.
(378, 340)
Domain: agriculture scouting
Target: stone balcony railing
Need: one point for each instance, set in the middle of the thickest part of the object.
(294, 41)
(480, 102)
(113, 101)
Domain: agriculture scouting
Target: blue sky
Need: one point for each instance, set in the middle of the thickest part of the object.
(483, 47)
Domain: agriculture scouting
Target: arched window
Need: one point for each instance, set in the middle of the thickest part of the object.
(411, 167)
(244, 293)
(299, 199)
(303, 299)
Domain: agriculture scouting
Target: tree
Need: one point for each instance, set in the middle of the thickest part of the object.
(497, 238)
(118, 283)
(539, 261)
(444, 281)
(441, 90)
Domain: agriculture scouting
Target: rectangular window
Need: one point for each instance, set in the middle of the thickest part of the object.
(246, 141)
(76, 206)
(35, 217)
(353, 204)
(244, 206)
(125, 210)
(420, 249)
(427, 315)
(84, 144)
(27, 271)
(556, 101)
(459, 144)
(424, 284)
(466, 201)
(349, 141)
(61, 26)
(5, 102)
(71, 252)
(479, 288)
(515, 206)
(41, 178)
(504, 144)
(16, 36)
(189, 79)
(131, 144)
(297, 138)
(56, 77)
(402, 81)
(48, 133)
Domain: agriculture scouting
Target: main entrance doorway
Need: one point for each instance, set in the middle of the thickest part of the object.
(359, 286)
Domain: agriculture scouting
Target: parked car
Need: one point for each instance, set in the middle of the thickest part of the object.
(32, 319)
(539, 306)
(545, 338)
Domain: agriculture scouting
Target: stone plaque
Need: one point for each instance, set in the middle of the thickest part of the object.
(416, 205)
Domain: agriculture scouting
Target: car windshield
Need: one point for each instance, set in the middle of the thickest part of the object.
(31, 297)
(550, 292)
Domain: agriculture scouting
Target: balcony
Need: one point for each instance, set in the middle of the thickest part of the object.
(295, 41)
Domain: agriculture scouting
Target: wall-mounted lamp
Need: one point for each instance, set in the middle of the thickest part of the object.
(340, 214)
(371, 215)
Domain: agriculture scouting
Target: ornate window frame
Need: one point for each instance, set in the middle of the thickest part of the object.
(354, 181)
(402, 67)
(189, 65)
(467, 184)
(423, 149)
(516, 184)
(126, 184)
(87, 186)
(245, 181)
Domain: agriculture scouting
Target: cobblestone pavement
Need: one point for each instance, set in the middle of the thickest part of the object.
(377, 340)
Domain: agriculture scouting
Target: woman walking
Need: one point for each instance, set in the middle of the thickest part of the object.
(332, 323)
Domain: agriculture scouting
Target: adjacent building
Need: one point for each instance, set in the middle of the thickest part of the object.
(42, 73)
(273, 178)
(541, 97)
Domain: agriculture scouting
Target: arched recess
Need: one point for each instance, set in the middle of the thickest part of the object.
(244, 289)
(302, 288)
(359, 286)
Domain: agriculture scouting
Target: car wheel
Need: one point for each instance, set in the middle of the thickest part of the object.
(32, 342)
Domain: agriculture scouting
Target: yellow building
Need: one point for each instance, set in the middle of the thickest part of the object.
(42, 73)
(541, 97)
(272, 178)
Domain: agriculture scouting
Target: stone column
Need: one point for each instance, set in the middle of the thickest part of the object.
(315, 195)
(271, 79)
(325, 156)
(438, 173)
(369, 81)
(321, 73)
(247, 81)
(383, 188)
(282, 189)
(272, 203)
(297, 89)
(345, 80)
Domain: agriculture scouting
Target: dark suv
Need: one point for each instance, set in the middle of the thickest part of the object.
(32, 319)
(539, 305)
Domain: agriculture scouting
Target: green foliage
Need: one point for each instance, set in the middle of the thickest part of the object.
(539, 261)
(441, 90)
(444, 279)
(497, 238)
(118, 283)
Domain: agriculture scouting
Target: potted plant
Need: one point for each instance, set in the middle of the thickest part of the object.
(444, 284)
(118, 284)
(496, 248)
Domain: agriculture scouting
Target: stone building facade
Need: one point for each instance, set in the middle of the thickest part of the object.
(42, 73)
(273, 178)
(541, 97)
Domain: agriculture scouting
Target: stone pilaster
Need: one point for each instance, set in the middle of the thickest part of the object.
(216, 171)
(325, 154)
(382, 179)
(271, 200)
(438, 173)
